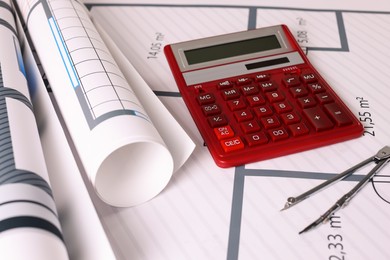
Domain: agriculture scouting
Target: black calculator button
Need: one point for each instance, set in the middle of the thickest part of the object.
(319, 120)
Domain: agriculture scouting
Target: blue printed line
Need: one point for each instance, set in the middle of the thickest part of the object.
(64, 54)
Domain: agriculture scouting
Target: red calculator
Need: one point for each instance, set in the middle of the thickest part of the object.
(254, 95)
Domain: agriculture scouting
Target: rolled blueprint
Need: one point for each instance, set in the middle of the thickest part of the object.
(122, 152)
(29, 225)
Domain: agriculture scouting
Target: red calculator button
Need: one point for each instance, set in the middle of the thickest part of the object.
(216, 121)
(232, 93)
(290, 118)
(278, 134)
(256, 100)
(268, 86)
(206, 98)
(318, 118)
(274, 96)
(316, 88)
(338, 114)
(250, 127)
(243, 81)
(291, 81)
(309, 77)
(243, 115)
(263, 111)
(298, 129)
(299, 91)
(232, 144)
(256, 139)
(224, 132)
(324, 98)
(225, 84)
(306, 102)
(212, 109)
(283, 107)
(270, 122)
(236, 104)
(262, 77)
(250, 90)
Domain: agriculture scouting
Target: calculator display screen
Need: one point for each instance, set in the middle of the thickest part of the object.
(231, 49)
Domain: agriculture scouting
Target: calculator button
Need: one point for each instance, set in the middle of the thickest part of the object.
(243, 81)
(250, 126)
(318, 118)
(309, 77)
(256, 139)
(217, 120)
(256, 100)
(212, 109)
(306, 102)
(299, 91)
(298, 129)
(282, 107)
(274, 96)
(270, 122)
(224, 132)
(230, 94)
(225, 84)
(236, 104)
(278, 134)
(249, 90)
(268, 86)
(340, 117)
(290, 118)
(232, 144)
(324, 98)
(263, 111)
(316, 88)
(262, 77)
(206, 98)
(243, 115)
(291, 81)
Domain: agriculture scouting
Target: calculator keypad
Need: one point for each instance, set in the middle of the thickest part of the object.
(261, 109)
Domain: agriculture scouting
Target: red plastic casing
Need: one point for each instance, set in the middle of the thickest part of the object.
(271, 149)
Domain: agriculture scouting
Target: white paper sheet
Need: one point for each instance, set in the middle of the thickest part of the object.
(29, 223)
(212, 213)
(122, 152)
